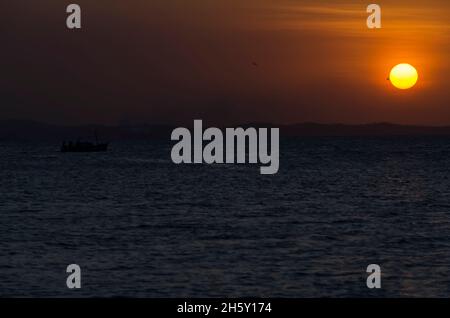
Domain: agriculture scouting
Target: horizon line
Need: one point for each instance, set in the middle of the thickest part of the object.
(245, 124)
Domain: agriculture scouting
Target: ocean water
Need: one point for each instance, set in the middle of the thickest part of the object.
(140, 226)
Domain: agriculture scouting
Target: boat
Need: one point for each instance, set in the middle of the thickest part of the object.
(83, 146)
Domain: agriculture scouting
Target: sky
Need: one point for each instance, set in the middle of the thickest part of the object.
(223, 61)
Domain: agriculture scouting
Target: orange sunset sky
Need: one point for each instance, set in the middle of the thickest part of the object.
(224, 61)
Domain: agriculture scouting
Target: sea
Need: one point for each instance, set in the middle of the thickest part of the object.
(139, 225)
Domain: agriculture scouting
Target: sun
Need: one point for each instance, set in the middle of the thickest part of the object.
(403, 76)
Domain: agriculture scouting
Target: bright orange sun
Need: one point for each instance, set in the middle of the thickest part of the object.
(403, 76)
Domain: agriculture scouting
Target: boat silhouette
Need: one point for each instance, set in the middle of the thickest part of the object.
(84, 146)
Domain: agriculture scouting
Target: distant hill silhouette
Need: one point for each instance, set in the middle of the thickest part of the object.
(376, 129)
(23, 130)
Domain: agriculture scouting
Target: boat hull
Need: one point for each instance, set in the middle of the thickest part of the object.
(85, 148)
